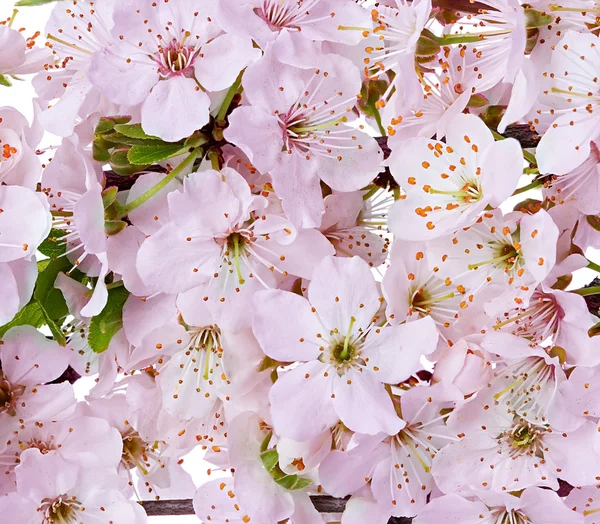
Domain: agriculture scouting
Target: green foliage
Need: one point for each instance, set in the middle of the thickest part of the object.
(28, 3)
(30, 315)
(150, 154)
(52, 247)
(104, 326)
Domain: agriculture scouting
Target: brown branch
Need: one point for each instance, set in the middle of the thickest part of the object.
(593, 301)
(323, 504)
(464, 6)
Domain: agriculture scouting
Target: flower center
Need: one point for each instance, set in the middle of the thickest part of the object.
(9, 395)
(176, 58)
(346, 350)
(524, 438)
(280, 14)
(135, 452)
(509, 517)
(61, 510)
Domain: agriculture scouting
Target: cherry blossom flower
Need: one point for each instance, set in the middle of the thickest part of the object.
(76, 30)
(20, 56)
(296, 128)
(515, 250)
(516, 453)
(449, 185)
(264, 20)
(75, 196)
(19, 164)
(570, 92)
(256, 472)
(156, 463)
(413, 291)
(400, 467)
(86, 441)
(55, 490)
(355, 227)
(29, 362)
(178, 55)
(535, 505)
(225, 248)
(347, 355)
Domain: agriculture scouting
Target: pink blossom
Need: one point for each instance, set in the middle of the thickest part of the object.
(29, 362)
(181, 55)
(58, 489)
(347, 358)
(296, 128)
(449, 185)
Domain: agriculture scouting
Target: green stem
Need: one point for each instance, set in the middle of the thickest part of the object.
(12, 17)
(229, 97)
(530, 157)
(142, 199)
(114, 285)
(377, 118)
(586, 291)
(214, 160)
(594, 266)
(455, 39)
(531, 171)
(532, 185)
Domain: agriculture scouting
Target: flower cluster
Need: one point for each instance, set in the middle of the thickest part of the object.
(283, 233)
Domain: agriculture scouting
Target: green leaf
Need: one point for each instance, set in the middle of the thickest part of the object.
(5, 81)
(30, 315)
(106, 124)
(45, 281)
(270, 459)
(134, 131)
(52, 247)
(57, 333)
(535, 18)
(265, 443)
(144, 155)
(27, 3)
(114, 227)
(117, 138)
(477, 100)
(104, 327)
(301, 483)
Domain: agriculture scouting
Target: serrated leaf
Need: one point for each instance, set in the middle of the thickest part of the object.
(30, 315)
(104, 326)
(144, 155)
(52, 247)
(134, 131)
(31, 3)
(288, 481)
